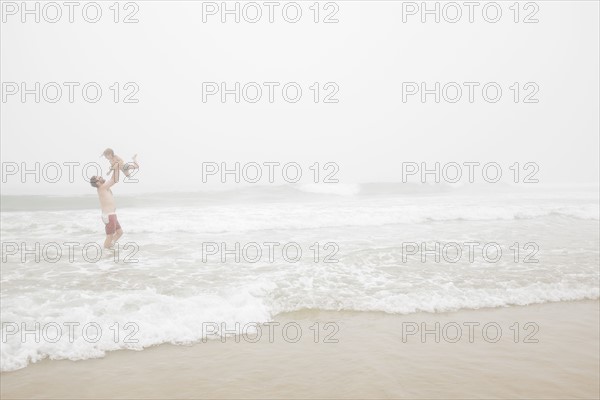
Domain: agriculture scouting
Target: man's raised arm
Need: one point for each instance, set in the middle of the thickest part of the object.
(110, 182)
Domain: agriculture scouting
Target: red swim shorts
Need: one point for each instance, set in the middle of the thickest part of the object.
(113, 224)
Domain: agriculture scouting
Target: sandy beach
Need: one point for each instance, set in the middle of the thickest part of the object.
(375, 356)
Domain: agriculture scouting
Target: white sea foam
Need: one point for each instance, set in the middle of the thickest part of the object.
(241, 218)
(179, 319)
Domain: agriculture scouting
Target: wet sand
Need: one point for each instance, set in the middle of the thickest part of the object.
(374, 357)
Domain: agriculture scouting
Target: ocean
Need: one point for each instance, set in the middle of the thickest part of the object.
(245, 255)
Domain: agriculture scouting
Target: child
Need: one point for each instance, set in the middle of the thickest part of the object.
(117, 164)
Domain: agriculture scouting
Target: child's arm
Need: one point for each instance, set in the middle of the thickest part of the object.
(114, 166)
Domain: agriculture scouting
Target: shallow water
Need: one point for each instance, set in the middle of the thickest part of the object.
(178, 267)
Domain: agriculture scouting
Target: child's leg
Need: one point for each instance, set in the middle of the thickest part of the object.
(127, 168)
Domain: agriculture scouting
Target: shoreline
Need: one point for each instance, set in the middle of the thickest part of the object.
(377, 355)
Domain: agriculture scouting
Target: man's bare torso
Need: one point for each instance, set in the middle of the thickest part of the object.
(107, 201)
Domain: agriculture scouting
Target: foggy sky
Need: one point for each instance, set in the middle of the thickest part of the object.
(368, 54)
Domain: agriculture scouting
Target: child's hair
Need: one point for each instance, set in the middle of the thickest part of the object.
(93, 181)
(109, 152)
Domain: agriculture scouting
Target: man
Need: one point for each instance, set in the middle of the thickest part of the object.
(107, 204)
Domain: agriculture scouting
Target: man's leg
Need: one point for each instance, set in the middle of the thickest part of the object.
(117, 235)
(108, 241)
(109, 229)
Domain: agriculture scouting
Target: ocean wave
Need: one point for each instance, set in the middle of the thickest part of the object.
(301, 192)
(152, 318)
(245, 218)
